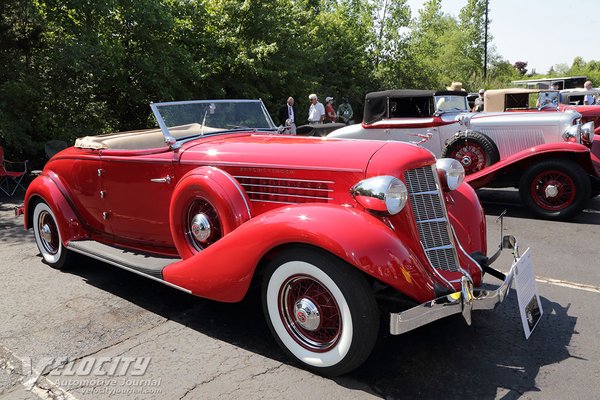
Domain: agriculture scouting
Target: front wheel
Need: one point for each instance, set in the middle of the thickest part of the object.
(48, 239)
(320, 310)
(555, 189)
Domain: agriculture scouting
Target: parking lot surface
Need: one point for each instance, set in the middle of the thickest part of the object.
(55, 326)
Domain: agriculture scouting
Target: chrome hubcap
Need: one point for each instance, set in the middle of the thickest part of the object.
(46, 233)
(307, 314)
(551, 191)
(201, 227)
(466, 161)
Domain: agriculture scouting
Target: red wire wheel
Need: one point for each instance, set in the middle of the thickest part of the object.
(201, 207)
(471, 155)
(474, 150)
(553, 190)
(310, 313)
(320, 309)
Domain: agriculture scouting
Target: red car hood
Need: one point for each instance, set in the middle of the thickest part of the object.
(284, 152)
(586, 111)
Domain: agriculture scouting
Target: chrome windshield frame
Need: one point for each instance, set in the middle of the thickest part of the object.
(174, 143)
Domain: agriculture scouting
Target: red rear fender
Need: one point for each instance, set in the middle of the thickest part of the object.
(47, 188)
(224, 270)
(215, 186)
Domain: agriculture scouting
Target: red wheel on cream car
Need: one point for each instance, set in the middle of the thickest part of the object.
(320, 310)
(555, 189)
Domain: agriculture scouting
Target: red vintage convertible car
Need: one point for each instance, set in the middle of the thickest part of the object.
(215, 200)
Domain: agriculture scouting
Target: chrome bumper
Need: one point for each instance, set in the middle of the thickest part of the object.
(465, 301)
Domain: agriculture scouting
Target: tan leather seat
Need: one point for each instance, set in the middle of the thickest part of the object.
(141, 139)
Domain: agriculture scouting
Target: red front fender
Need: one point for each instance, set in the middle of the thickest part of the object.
(224, 270)
(524, 158)
(47, 188)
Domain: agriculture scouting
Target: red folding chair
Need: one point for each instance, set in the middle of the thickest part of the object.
(10, 180)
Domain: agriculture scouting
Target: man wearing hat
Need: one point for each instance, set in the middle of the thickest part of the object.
(330, 110)
(450, 102)
(456, 87)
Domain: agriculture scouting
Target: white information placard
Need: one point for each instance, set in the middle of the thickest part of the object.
(530, 305)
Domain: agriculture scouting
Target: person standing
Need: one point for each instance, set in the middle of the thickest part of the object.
(345, 111)
(287, 116)
(478, 107)
(316, 111)
(330, 115)
(588, 99)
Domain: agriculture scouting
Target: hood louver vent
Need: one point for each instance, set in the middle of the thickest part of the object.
(286, 191)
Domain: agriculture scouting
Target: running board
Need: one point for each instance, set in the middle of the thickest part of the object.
(147, 265)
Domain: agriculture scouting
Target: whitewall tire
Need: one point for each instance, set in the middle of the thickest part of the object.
(48, 238)
(321, 310)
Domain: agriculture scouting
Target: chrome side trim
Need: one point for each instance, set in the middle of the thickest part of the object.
(282, 179)
(277, 166)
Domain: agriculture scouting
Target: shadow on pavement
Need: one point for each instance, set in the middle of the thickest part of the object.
(446, 359)
(495, 201)
(11, 227)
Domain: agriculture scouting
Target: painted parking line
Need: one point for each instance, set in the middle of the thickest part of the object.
(567, 284)
(506, 204)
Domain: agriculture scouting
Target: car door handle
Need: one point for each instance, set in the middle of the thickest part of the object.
(166, 179)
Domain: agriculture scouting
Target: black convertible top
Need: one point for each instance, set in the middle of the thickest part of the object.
(402, 103)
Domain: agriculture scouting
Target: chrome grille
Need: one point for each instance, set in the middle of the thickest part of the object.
(285, 191)
(431, 218)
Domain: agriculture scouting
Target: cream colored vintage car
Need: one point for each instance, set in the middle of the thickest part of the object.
(545, 154)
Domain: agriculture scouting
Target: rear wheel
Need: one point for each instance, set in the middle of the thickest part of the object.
(48, 239)
(202, 225)
(320, 310)
(474, 150)
(555, 189)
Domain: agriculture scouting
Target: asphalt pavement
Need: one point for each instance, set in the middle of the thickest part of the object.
(56, 327)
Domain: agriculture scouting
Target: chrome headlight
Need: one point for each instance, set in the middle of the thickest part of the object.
(451, 172)
(587, 132)
(381, 193)
(573, 133)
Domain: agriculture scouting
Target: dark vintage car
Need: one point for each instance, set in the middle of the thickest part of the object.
(548, 156)
(213, 201)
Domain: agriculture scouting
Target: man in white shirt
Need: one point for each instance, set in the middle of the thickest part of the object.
(316, 111)
(588, 99)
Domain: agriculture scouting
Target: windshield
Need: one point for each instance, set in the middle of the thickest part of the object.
(450, 103)
(186, 119)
